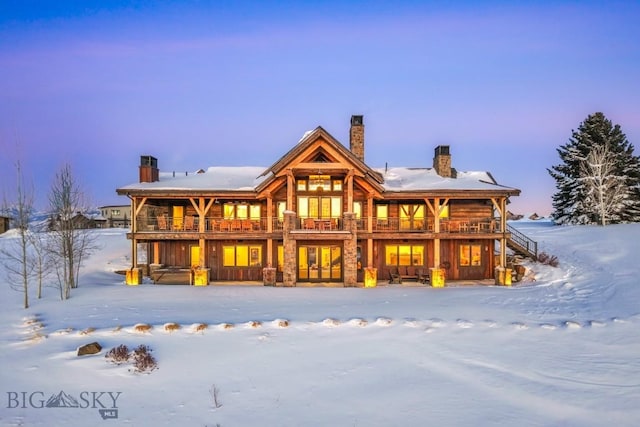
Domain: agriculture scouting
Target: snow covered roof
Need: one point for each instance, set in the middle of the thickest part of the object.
(413, 179)
(247, 178)
(222, 178)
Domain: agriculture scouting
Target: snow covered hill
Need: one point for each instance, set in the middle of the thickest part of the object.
(559, 351)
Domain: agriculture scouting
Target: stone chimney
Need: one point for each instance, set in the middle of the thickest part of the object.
(356, 137)
(442, 161)
(149, 169)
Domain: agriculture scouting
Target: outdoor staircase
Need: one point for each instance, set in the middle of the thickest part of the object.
(521, 244)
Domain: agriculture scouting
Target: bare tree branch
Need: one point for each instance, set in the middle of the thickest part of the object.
(69, 241)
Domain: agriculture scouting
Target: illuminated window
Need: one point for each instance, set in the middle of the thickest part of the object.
(337, 185)
(242, 256)
(241, 211)
(229, 211)
(382, 211)
(357, 209)
(319, 182)
(280, 257)
(254, 212)
(470, 255)
(281, 207)
(302, 185)
(404, 255)
(412, 217)
(319, 207)
(444, 211)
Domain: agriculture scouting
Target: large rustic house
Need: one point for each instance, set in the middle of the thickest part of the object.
(319, 214)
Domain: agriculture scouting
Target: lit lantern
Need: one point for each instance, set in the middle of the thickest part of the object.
(437, 277)
(133, 277)
(201, 277)
(370, 277)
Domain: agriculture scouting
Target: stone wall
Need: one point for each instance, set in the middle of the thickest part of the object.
(350, 264)
(290, 248)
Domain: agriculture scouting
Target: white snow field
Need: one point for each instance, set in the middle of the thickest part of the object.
(563, 350)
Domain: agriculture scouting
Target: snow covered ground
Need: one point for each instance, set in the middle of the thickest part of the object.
(563, 350)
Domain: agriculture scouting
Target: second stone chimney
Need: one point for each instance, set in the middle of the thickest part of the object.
(149, 169)
(356, 137)
(442, 161)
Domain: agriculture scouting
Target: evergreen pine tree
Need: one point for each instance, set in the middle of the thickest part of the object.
(598, 180)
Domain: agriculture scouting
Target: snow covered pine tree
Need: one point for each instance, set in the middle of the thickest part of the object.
(598, 180)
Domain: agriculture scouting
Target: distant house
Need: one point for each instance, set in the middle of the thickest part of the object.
(81, 221)
(5, 223)
(320, 214)
(116, 216)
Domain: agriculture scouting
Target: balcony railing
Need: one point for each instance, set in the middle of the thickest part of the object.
(319, 224)
(467, 226)
(190, 224)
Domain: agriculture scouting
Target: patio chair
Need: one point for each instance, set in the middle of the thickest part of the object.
(394, 275)
(189, 223)
(162, 222)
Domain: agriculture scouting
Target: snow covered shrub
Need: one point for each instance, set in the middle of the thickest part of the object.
(546, 259)
(118, 355)
(87, 331)
(170, 327)
(143, 361)
(142, 327)
(200, 327)
(282, 323)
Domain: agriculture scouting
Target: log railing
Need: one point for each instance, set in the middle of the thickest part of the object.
(164, 223)
(426, 225)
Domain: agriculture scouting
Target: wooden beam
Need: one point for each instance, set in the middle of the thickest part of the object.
(156, 252)
(370, 211)
(270, 229)
(321, 166)
(349, 182)
(431, 207)
(496, 205)
(436, 230)
(139, 207)
(291, 182)
(134, 227)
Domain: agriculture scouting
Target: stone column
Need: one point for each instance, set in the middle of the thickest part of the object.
(289, 277)
(350, 255)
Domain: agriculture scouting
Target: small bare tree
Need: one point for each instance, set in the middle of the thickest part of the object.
(69, 241)
(42, 265)
(16, 257)
(605, 191)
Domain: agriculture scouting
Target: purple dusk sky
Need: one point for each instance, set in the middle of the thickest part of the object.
(96, 84)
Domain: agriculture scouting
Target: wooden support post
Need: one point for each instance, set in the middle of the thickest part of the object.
(370, 230)
(503, 229)
(134, 229)
(290, 187)
(156, 253)
(270, 216)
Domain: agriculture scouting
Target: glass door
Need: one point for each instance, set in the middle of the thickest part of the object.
(319, 263)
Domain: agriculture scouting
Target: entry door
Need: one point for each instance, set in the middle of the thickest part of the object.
(471, 260)
(195, 256)
(178, 215)
(320, 263)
